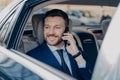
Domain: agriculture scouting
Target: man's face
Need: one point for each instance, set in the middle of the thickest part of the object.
(53, 30)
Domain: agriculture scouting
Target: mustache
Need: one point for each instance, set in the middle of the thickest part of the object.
(51, 35)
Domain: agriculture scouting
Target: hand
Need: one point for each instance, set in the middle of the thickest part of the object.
(71, 48)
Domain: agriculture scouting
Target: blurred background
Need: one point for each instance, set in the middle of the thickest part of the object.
(5, 2)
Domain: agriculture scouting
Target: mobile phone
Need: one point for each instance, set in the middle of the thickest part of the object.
(65, 41)
(66, 30)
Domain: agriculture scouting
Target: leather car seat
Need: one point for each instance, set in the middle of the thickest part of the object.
(105, 25)
(28, 43)
(38, 27)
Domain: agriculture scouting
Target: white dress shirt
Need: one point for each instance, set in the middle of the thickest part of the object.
(66, 58)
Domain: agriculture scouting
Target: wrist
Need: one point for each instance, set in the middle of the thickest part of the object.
(77, 54)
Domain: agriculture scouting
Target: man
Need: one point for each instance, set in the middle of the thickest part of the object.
(56, 37)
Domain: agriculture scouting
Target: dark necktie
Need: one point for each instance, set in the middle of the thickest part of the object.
(64, 65)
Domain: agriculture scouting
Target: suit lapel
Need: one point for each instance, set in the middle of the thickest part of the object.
(50, 58)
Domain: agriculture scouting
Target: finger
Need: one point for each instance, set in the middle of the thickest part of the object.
(68, 34)
(69, 38)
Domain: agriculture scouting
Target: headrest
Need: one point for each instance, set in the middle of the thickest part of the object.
(38, 27)
(105, 25)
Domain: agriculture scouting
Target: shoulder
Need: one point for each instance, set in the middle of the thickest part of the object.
(33, 50)
(39, 48)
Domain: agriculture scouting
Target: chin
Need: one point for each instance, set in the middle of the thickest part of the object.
(54, 44)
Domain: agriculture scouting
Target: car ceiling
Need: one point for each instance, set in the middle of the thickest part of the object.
(93, 2)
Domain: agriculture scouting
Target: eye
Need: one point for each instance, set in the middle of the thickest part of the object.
(58, 27)
(46, 27)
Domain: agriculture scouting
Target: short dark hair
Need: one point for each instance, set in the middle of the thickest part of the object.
(57, 12)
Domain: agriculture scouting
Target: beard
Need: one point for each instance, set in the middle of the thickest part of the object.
(54, 40)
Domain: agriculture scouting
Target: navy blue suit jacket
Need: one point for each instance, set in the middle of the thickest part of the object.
(44, 54)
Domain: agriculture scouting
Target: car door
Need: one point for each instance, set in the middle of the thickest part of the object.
(17, 66)
(8, 20)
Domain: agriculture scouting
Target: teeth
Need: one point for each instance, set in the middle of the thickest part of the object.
(51, 38)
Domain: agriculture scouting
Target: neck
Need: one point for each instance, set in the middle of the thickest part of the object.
(60, 45)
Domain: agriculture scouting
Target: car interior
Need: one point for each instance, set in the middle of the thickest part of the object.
(85, 37)
(33, 37)
(88, 37)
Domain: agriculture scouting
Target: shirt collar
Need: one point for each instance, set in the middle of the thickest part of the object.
(53, 48)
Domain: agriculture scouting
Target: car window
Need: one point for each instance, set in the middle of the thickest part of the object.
(7, 26)
(33, 35)
(5, 29)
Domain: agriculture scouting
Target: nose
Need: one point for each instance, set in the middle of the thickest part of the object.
(51, 31)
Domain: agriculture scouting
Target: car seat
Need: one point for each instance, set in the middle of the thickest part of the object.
(89, 45)
(30, 42)
(38, 27)
(104, 25)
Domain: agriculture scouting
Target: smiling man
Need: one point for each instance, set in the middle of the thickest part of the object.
(53, 30)
(55, 51)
